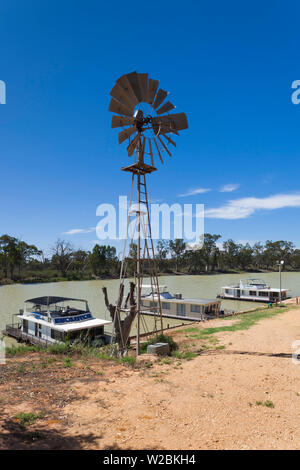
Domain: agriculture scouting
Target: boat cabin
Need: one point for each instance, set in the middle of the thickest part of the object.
(175, 306)
(253, 289)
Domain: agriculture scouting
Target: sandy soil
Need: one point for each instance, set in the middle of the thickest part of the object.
(214, 401)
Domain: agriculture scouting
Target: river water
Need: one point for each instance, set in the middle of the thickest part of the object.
(12, 297)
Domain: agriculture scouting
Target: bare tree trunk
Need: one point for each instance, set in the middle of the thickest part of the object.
(122, 327)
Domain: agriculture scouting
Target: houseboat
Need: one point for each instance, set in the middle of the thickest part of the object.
(175, 306)
(255, 290)
(47, 320)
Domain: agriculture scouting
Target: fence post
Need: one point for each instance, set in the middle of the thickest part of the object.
(2, 351)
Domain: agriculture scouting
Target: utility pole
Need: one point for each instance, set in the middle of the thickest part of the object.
(280, 264)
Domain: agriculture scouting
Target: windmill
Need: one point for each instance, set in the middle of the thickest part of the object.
(140, 108)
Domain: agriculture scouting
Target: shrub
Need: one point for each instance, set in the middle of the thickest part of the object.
(160, 338)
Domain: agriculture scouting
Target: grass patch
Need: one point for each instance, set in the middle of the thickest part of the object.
(59, 348)
(267, 403)
(190, 330)
(148, 365)
(27, 419)
(127, 360)
(85, 350)
(244, 321)
(187, 355)
(19, 349)
(67, 362)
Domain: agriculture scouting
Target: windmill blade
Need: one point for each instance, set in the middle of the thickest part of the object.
(163, 127)
(120, 95)
(152, 88)
(121, 121)
(123, 135)
(165, 108)
(158, 151)
(169, 139)
(151, 153)
(118, 108)
(125, 84)
(134, 83)
(132, 145)
(161, 95)
(164, 146)
(143, 83)
(176, 122)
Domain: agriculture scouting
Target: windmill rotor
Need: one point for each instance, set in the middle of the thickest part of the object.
(143, 112)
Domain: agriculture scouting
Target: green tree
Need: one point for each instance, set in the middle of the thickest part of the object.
(230, 253)
(63, 256)
(210, 250)
(245, 256)
(103, 259)
(9, 254)
(177, 248)
(162, 250)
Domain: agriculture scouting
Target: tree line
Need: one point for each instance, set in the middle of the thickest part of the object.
(20, 261)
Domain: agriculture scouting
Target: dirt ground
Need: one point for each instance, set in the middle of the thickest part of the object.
(245, 396)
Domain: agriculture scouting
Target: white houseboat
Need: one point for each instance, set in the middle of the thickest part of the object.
(253, 289)
(175, 306)
(46, 320)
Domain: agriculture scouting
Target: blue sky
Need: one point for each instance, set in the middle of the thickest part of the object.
(228, 65)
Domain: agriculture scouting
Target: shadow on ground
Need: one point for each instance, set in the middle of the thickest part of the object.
(245, 353)
(14, 436)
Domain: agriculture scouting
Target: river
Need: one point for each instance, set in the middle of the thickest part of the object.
(205, 286)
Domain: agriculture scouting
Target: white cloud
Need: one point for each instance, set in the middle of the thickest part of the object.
(74, 231)
(243, 208)
(193, 192)
(227, 188)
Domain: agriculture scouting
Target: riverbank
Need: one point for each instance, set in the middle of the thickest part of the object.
(234, 380)
(43, 280)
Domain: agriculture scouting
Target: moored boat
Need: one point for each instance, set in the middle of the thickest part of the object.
(175, 306)
(255, 290)
(50, 319)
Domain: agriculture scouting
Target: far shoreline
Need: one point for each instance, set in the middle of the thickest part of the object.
(9, 282)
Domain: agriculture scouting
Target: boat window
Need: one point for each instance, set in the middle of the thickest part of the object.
(153, 305)
(165, 305)
(195, 308)
(181, 309)
(25, 326)
(264, 294)
(253, 292)
(57, 335)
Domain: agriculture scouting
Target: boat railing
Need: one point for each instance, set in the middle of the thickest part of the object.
(14, 330)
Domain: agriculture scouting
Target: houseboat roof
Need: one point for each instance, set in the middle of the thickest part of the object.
(182, 299)
(50, 300)
(72, 326)
(261, 289)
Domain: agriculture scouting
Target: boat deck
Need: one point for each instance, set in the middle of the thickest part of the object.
(15, 331)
